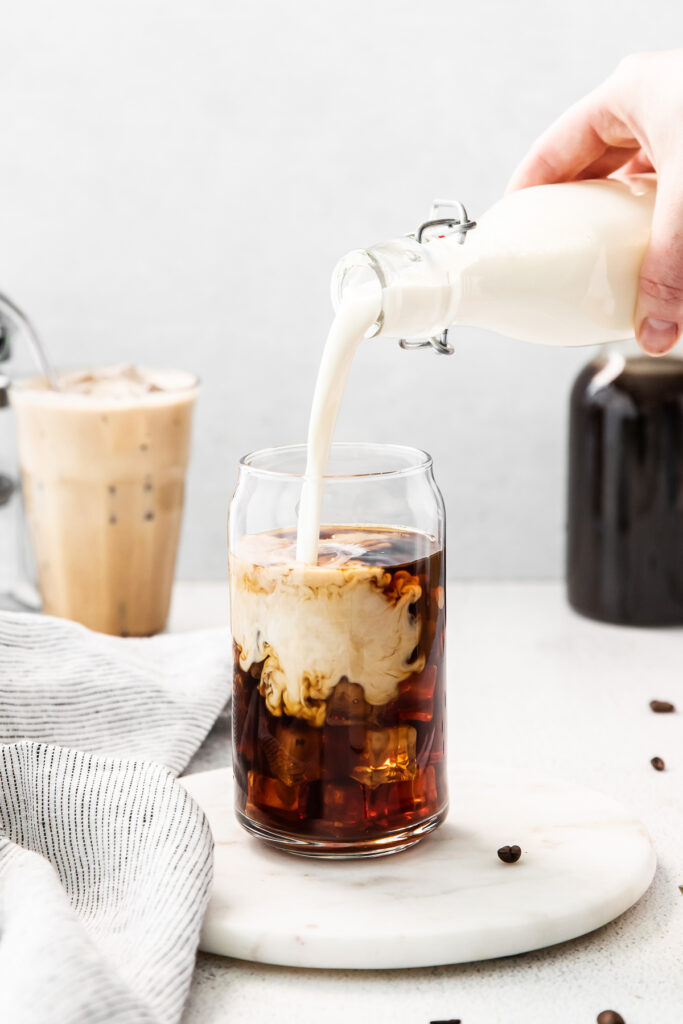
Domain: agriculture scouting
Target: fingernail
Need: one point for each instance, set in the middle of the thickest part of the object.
(657, 336)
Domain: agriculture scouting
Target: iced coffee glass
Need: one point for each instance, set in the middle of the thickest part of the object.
(103, 465)
(339, 669)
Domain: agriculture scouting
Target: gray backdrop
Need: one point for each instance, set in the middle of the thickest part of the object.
(178, 178)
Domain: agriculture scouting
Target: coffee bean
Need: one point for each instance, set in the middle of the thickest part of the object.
(658, 764)
(509, 854)
(610, 1017)
(662, 707)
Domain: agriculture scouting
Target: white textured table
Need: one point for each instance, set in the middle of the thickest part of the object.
(539, 689)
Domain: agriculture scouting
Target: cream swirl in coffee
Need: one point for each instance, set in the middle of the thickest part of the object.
(313, 626)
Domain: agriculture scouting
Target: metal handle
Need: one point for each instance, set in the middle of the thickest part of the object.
(10, 311)
(459, 225)
(439, 343)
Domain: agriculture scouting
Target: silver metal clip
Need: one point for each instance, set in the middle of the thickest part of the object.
(459, 225)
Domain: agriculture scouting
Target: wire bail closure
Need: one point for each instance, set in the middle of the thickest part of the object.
(459, 225)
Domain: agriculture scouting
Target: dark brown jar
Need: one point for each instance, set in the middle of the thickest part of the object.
(625, 525)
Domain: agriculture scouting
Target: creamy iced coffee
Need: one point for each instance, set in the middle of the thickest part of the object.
(339, 697)
(103, 463)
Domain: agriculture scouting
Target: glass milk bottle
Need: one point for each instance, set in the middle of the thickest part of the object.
(555, 264)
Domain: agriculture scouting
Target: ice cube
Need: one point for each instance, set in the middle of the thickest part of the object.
(416, 797)
(266, 794)
(347, 704)
(244, 715)
(388, 755)
(416, 696)
(293, 753)
(344, 804)
(425, 791)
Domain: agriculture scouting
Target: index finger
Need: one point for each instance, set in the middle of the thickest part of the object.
(576, 140)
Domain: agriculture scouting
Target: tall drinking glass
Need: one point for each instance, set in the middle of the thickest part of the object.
(339, 667)
(103, 477)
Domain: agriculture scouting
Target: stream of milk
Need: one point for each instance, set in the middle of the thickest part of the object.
(355, 316)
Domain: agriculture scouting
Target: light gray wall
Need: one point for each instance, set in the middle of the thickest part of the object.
(178, 177)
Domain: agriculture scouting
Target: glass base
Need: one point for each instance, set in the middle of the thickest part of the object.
(343, 849)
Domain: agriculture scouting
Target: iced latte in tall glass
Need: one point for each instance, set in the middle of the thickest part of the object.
(103, 463)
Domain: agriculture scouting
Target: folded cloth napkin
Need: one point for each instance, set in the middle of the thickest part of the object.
(154, 699)
(105, 861)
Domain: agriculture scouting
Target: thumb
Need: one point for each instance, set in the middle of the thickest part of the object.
(659, 308)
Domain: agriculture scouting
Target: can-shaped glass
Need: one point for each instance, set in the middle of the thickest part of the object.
(339, 686)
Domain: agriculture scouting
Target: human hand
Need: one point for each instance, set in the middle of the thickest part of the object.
(631, 123)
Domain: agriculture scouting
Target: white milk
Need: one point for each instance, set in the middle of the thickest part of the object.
(354, 318)
(556, 264)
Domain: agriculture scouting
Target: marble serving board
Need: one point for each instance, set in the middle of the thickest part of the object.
(585, 860)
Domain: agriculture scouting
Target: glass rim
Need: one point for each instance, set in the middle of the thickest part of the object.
(420, 460)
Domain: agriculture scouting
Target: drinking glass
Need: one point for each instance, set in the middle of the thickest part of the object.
(339, 698)
(103, 479)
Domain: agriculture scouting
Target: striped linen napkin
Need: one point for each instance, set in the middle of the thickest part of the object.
(105, 860)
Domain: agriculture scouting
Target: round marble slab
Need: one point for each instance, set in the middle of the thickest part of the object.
(448, 900)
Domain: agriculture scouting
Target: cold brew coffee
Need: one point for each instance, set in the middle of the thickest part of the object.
(339, 689)
(625, 536)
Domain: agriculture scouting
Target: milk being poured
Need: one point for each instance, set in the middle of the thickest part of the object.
(355, 316)
(556, 264)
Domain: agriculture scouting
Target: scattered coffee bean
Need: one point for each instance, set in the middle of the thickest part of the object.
(112, 488)
(509, 854)
(112, 520)
(662, 707)
(680, 889)
(610, 1017)
(149, 516)
(658, 764)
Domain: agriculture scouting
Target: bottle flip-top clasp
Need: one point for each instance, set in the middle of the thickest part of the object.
(458, 224)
